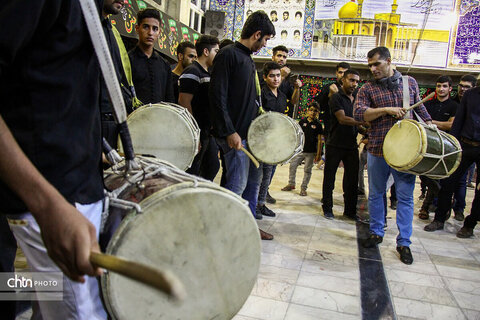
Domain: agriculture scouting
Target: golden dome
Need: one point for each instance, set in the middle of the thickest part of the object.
(349, 10)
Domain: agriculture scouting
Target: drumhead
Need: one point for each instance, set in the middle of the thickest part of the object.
(274, 138)
(205, 235)
(167, 132)
(404, 145)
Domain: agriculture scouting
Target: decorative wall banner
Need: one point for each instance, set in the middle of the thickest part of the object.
(465, 50)
(172, 32)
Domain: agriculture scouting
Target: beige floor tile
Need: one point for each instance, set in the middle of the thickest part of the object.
(427, 294)
(327, 300)
(425, 310)
(263, 308)
(299, 312)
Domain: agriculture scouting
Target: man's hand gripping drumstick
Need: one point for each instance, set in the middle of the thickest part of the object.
(234, 141)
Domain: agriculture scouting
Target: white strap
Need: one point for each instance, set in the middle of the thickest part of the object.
(92, 18)
(406, 96)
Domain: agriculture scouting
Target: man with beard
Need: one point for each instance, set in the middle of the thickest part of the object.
(380, 102)
(233, 106)
(186, 55)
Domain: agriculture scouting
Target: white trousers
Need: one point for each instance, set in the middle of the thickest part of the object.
(80, 300)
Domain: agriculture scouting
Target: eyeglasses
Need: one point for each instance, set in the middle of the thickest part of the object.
(465, 86)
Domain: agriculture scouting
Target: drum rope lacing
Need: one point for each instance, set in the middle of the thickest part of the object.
(434, 156)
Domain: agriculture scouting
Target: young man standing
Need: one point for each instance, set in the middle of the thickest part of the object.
(194, 85)
(272, 100)
(341, 145)
(233, 105)
(442, 110)
(312, 128)
(150, 72)
(186, 55)
(380, 103)
(466, 83)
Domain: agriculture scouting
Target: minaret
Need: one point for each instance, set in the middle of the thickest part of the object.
(394, 7)
(359, 10)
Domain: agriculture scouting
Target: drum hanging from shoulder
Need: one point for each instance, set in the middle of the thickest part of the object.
(166, 131)
(275, 138)
(203, 233)
(414, 147)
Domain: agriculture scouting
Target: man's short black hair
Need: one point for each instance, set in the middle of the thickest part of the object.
(343, 65)
(443, 79)
(269, 66)
(148, 13)
(469, 78)
(298, 13)
(383, 53)
(205, 41)
(351, 71)
(182, 46)
(284, 32)
(273, 12)
(279, 48)
(314, 104)
(258, 21)
(296, 32)
(225, 42)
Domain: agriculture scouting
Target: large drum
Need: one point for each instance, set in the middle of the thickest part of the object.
(416, 148)
(203, 233)
(275, 138)
(166, 131)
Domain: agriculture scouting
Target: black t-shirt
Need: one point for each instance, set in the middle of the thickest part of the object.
(151, 77)
(270, 102)
(175, 85)
(311, 130)
(322, 99)
(341, 136)
(196, 81)
(286, 87)
(49, 83)
(441, 111)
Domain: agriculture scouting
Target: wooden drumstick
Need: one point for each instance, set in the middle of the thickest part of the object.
(255, 161)
(164, 281)
(413, 106)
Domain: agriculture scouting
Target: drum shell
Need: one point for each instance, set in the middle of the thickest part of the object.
(222, 267)
(433, 143)
(274, 138)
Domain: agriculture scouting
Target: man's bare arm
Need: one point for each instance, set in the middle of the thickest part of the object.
(185, 100)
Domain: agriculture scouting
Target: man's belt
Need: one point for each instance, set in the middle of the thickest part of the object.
(470, 142)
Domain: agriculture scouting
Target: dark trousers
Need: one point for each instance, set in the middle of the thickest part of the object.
(110, 132)
(333, 156)
(433, 187)
(206, 163)
(470, 154)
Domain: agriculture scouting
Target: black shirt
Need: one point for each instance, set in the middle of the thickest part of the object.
(196, 81)
(322, 99)
(286, 87)
(341, 136)
(467, 118)
(270, 102)
(49, 78)
(441, 111)
(175, 85)
(151, 77)
(311, 131)
(232, 91)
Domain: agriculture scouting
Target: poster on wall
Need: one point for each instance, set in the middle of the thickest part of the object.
(417, 32)
(465, 44)
(287, 17)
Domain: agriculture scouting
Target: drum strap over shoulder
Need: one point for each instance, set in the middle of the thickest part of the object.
(259, 94)
(406, 95)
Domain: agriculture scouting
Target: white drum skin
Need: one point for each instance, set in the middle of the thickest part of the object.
(204, 234)
(166, 131)
(275, 138)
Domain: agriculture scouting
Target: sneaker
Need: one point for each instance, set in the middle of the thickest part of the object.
(465, 232)
(459, 216)
(270, 199)
(288, 187)
(303, 192)
(405, 254)
(422, 196)
(372, 241)
(258, 213)
(266, 212)
(393, 205)
(328, 215)
(265, 235)
(434, 226)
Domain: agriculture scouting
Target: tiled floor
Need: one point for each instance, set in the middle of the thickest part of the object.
(311, 269)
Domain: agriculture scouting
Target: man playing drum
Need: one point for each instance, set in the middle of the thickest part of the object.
(233, 106)
(380, 103)
(466, 129)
